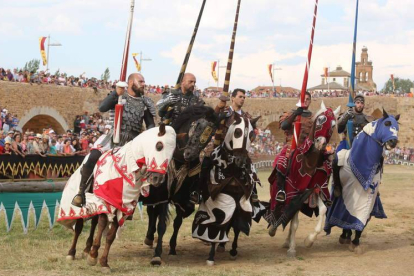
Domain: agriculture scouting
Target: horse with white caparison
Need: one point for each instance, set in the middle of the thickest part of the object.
(117, 180)
(359, 172)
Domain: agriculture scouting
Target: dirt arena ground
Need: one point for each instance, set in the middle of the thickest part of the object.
(388, 245)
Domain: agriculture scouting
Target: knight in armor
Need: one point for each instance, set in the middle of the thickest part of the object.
(173, 103)
(238, 96)
(286, 123)
(358, 118)
(137, 109)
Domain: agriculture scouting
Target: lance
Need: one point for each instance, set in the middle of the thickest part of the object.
(185, 63)
(301, 103)
(119, 106)
(231, 52)
(351, 104)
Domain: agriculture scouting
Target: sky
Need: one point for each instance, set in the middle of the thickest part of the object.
(92, 34)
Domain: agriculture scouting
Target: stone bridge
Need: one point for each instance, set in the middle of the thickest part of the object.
(38, 106)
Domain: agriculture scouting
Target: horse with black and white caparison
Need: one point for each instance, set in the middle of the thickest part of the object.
(358, 172)
(195, 127)
(226, 195)
(306, 174)
(118, 177)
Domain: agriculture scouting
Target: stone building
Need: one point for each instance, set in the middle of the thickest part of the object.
(364, 72)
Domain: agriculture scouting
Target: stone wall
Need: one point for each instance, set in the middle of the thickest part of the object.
(63, 103)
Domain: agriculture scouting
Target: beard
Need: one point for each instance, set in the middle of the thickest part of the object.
(359, 109)
(138, 91)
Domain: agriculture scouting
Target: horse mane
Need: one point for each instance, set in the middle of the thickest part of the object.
(194, 113)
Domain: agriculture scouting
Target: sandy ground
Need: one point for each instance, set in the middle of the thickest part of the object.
(388, 246)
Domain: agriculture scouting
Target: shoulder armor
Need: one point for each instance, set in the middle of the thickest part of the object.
(149, 103)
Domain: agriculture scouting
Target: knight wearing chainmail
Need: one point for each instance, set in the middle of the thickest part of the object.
(174, 102)
(238, 97)
(137, 109)
(359, 120)
(286, 123)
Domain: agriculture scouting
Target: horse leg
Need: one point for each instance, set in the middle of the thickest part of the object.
(78, 230)
(210, 260)
(162, 227)
(222, 246)
(354, 246)
(93, 254)
(311, 238)
(233, 251)
(178, 221)
(110, 237)
(345, 238)
(292, 242)
(152, 220)
(89, 241)
(287, 241)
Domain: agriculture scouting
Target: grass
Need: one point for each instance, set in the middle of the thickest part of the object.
(42, 251)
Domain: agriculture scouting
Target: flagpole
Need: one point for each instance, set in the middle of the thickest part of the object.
(301, 102)
(231, 53)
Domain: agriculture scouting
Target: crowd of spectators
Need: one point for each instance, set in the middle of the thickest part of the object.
(397, 154)
(79, 141)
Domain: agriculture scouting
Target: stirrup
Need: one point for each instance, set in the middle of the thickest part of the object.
(194, 198)
(281, 196)
(79, 200)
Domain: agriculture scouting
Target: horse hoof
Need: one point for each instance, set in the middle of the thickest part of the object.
(272, 231)
(70, 258)
(357, 249)
(148, 242)
(106, 269)
(308, 242)
(233, 255)
(156, 261)
(210, 263)
(344, 241)
(221, 249)
(291, 253)
(91, 261)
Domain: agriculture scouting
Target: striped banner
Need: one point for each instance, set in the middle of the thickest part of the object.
(213, 70)
(137, 65)
(269, 68)
(42, 49)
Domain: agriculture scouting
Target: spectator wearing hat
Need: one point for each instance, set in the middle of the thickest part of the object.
(7, 148)
(9, 136)
(36, 145)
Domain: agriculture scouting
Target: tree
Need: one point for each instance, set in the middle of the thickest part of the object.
(32, 65)
(106, 75)
(57, 73)
(401, 85)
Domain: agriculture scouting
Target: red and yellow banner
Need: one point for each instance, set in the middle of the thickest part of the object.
(213, 71)
(269, 68)
(42, 49)
(137, 65)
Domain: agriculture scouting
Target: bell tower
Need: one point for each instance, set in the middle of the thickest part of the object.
(364, 72)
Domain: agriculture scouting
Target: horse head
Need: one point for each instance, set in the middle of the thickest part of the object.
(384, 130)
(195, 126)
(324, 123)
(239, 137)
(154, 150)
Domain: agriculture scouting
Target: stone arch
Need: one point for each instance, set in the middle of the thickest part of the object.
(376, 114)
(40, 117)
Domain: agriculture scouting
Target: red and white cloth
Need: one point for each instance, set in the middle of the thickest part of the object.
(116, 189)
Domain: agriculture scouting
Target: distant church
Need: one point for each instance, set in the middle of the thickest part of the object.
(340, 80)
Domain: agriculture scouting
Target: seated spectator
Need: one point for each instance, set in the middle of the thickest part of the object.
(7, 148)
(16, 144)
(67, 148)
(52, 148)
